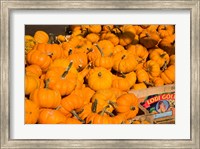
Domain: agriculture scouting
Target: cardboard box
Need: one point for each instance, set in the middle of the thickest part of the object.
(157, 104)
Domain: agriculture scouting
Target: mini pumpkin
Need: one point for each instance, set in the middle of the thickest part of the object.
(62, 79)
(166, 30)
(31, 112)
(169, 75)
(149, 39)
(160, 56)
(51, 116)
(124, 62)
(37, 57)
(41, 37)
(45, 97)
(127, 104)
(100, 78)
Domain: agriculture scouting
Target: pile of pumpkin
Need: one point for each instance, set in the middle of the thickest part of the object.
(85, 77)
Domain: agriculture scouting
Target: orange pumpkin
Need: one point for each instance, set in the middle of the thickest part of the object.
(51, 116)
(124, 62)
(33, 69)
(142, 76)
(157, 81)
(126, 35)
(127, 104)
(36, 57)
(117, 49)
(168, 44)
(159, 56)
(31, 112)
(29, 43)
(62, 79)
(32, 82)
(152, 68)
(111, 37)
(166, 30)
(172, 60)
(71, 103)
(149, 38)
(100, 78)
(125, 82)
(93, 37)
(41, 37)
(169, 75)
(94, 28)
(139, 51)
(80, 60)
(45, 97)
(103, 61)
(53, 50)
(139, 86)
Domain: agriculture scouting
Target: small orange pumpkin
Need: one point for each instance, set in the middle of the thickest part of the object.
(31, 112)
(124, 62)
(51, 116)
(41, 37)
(100, 78)
(45, 97)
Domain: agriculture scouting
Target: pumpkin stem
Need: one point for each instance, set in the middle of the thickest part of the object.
(46, 83)
(123, 75)
(132, 108)
(164, 66)
(162, 55)
(76, 115)
(148, 83)
(89, 50)
(113, 104)
(58, 108)
(67, 70)
(123, 56)
(79, 68)
(104, 110)
(99, 74)
(109, 113)
(94, 106)
(100, 50)
(79, 112)
(51, 38)
(147, 34)
(70, 51)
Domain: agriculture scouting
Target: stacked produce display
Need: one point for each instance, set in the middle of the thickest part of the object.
(86, 75)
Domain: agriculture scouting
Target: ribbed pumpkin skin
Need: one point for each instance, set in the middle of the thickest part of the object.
(38, 58)
(31, 112)
(41, 37)
(50, 116)
(32, 82)
(100, 78)
(46, 98)
(125, 103)
(169, 75)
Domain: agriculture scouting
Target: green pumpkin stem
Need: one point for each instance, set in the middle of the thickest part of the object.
(94, 106)
(99, 74)
(70, 51)
(132, 108)
(100, 50)
(76, 115)
(113, 104)
(46, 83)
(164, 67)
(67, 70)
(162, 55)
(109, 113)
(104, 110)
(148, 83)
